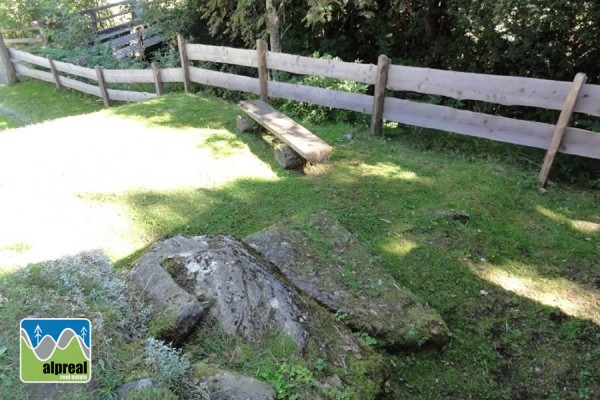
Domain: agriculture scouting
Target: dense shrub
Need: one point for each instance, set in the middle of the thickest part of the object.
(321, 114)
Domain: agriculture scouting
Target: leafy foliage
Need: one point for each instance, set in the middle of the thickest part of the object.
(320, 114)
(19, 13)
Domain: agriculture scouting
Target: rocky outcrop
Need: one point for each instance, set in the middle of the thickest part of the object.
(176, 311)
(238, 286)
(325, 261)
(248, 296)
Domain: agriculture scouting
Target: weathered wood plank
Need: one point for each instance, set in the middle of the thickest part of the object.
(224, 80)
(109, 33)
(104, 7)
(505, 90)
(128, 76)
(220, 54)
(54, 72)
(526, 133)
(75, 70)
(115, 16)
(126, 95)
(66, 82)
(383, 64)
(24, 40)
(158, 83)
(27, 28)
(323, 97)
(34, 73)
(81, 86)
(589, 100)
(561, 126)
(304, 142)
(102, 85)
(365, 73)
(185, 63)
(7, 70)
(18, 55)
(263, 72)
(125, 40)
(171, 75)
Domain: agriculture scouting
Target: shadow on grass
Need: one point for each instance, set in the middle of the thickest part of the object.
(505, 345)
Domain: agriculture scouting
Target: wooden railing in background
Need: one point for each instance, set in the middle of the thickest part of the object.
(510, 91)
(33, 34)
(105, 18)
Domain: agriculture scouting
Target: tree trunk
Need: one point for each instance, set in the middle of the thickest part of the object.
(273, 26)
(274, 29)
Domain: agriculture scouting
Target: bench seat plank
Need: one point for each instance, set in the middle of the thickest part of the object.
(305, 143)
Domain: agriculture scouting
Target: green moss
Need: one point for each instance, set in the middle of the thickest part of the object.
(202, 370)
(163, 323)
(175, 266)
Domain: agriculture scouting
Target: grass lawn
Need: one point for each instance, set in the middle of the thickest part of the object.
(518, 284)
(35, 101)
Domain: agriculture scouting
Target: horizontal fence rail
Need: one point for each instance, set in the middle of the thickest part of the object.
(107, 76)
(36, 30)
(503, 90)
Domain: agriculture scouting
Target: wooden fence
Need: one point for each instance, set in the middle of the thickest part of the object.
(33, 34)
(114, 16)
(566, 97)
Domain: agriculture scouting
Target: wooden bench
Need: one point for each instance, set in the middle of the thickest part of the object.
(300, 139)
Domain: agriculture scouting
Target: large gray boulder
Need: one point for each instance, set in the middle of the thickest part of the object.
(248, 297)
(176, 312)
(325, 261)
(240, 288)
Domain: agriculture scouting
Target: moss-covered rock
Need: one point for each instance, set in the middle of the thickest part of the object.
(220, 384)
(248, 297)
(176, 311)
(325, 261)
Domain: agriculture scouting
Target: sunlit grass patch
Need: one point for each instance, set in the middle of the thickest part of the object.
(36, 101)
(571, 298)
(6, 122)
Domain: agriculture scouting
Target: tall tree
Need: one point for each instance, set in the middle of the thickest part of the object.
(273, 25)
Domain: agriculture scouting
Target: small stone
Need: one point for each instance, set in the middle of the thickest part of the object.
(484, 293)
(287, 157)
(226, 385)
(245, 124)
(128, 388)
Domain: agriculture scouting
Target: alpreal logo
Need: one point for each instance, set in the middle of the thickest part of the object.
(56, 350)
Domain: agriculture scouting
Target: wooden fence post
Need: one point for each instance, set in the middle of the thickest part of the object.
(7, 71)
(94, 18)
(54, 72)
(263, 72)
(561, 126)
(185, 63)
(102, 85)
(158, 84)
(383, 64)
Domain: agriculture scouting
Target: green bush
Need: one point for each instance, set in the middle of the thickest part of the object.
(321, 114)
